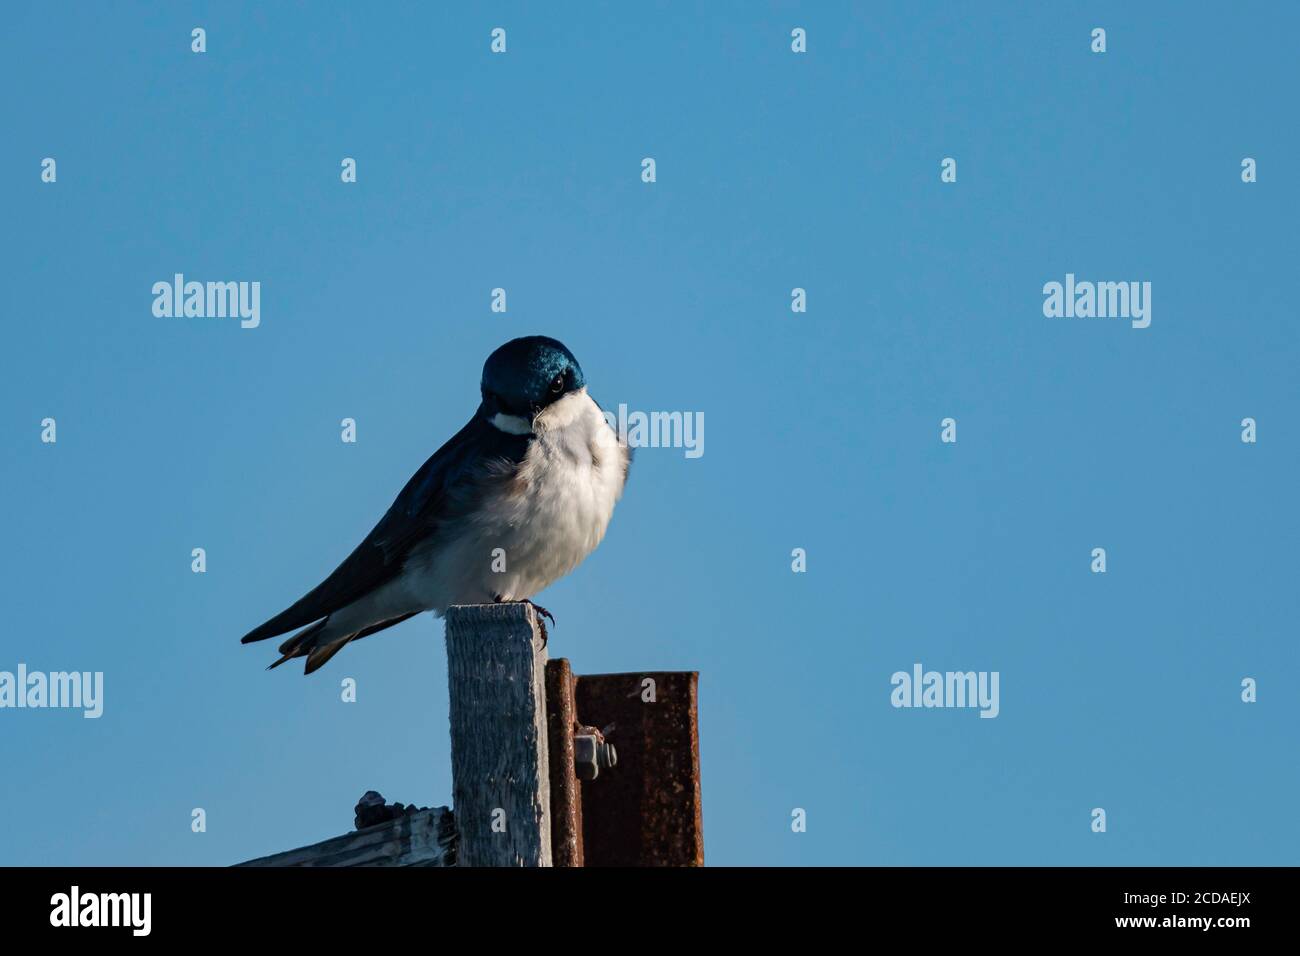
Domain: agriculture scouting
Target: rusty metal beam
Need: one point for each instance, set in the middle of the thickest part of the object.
(646, 810)
(566, 795)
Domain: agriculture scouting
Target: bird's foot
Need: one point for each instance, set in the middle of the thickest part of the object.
(541, 610)
(543, 615)
(541, 624)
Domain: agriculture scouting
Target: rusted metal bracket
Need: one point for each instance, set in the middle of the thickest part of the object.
(645, 810)
(566, 795)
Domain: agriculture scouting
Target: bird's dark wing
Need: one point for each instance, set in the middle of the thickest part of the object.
(441, 490)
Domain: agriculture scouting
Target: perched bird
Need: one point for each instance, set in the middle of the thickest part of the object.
(535, 473)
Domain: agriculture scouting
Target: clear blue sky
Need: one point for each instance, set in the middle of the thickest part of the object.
(775, 170)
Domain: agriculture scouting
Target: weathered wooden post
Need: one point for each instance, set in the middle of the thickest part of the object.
(549, 768)
(496, 666)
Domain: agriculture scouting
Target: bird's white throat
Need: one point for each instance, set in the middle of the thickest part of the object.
(558, 415)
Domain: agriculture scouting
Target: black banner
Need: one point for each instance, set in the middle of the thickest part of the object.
(337, 905)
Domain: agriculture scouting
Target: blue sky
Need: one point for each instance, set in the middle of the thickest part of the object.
(774, 171)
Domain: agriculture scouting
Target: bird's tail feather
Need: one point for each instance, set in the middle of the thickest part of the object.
(306, 643)
(317, 657)
(300, 643)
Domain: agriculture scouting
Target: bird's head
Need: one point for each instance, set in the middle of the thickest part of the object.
(525, 376)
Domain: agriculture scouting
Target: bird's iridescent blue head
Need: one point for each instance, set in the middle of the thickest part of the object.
(527, 374)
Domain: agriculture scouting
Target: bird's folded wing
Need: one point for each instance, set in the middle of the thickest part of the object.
(447, 484)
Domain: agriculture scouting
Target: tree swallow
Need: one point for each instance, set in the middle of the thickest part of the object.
(513, 502)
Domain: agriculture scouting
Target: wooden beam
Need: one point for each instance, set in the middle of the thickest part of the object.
(423, 838)
(496, 665)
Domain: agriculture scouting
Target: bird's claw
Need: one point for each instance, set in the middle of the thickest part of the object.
(541, 613)
(541, 624)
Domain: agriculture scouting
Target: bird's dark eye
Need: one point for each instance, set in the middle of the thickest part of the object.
(557, 386)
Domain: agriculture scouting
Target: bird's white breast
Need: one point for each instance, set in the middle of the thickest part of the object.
(546, 519)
